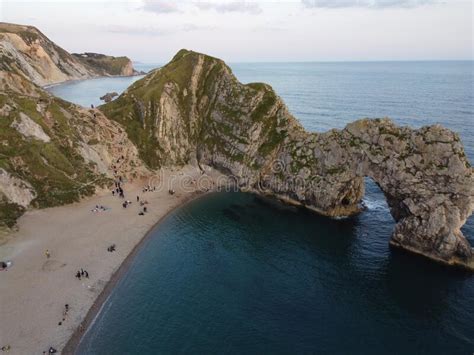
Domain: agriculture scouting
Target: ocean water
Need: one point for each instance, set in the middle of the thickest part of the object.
(88, 92)
(231, 273)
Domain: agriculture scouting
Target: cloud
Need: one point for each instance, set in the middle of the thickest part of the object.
(233, 6)
(160, 7)
(153, 31)
(373, 4)
(167, 7)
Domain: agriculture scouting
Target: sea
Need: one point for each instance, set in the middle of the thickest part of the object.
(231, 273)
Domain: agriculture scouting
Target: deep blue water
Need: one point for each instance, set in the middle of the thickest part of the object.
(231, 274)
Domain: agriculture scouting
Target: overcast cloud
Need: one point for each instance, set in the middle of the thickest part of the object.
(374, 4)
(262, 30)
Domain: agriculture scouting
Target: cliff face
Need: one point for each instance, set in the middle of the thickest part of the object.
(53, 152)
(194, 110)
(24, 50)
(106, 64)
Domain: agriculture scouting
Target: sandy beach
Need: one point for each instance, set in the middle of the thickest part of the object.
(35, 289)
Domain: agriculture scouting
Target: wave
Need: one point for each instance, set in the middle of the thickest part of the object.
(375, 205)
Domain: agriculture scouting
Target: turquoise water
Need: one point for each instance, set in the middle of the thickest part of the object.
(230, 273)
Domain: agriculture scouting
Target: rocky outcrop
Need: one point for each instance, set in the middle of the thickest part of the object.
(194, 110)
(109, 96)
(29, 128)
(107, 65)
(25, 51)
(53, 152)
(16, 190)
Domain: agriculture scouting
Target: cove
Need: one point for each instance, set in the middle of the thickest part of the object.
(232, 273)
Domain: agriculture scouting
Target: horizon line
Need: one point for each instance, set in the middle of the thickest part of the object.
(326, 61)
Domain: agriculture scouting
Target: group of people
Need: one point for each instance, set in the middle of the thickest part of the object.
(111, 248)
(82, 273)
(118, 190)
(100, 208)
(51, 350)
(126, 203)
(148, 188)
(65, 313)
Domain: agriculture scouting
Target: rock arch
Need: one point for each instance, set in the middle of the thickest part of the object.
(424, 175)
(247, 132)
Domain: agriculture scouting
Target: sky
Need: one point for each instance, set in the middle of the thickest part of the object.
(152, 31)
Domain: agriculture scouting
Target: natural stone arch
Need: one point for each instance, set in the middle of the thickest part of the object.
(247, 132)
(424, 175)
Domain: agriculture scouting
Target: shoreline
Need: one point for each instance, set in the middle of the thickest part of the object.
(82, 329)
(72, 81)
(38, 285)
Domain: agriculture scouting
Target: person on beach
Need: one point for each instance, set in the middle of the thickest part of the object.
(138, 198)
(86, 274)
(78, 275)
(48, 255)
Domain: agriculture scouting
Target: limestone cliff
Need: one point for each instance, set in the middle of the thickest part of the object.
(107, 65)
(24, 50)
(53, 152)
(193, 110)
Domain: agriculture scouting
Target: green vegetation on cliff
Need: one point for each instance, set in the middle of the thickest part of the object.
(195, 103)
(55, 170)
(105, 64)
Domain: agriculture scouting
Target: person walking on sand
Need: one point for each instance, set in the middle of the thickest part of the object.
(138, 198)
(48, 255)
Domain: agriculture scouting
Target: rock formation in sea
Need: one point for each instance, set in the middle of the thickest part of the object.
(109, 96)
(194, 111)
(26, 51)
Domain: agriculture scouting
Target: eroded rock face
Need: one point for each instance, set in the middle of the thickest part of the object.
(29, 128)
(194, 110)
(16, 190)
(54, 152)
(25, 51)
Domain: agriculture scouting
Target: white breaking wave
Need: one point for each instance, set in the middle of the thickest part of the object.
(376, 205)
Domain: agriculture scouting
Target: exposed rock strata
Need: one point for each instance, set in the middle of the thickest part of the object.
(106, 64)
(53, 152)
(194, 110)
(29, 128)
(24, 50)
